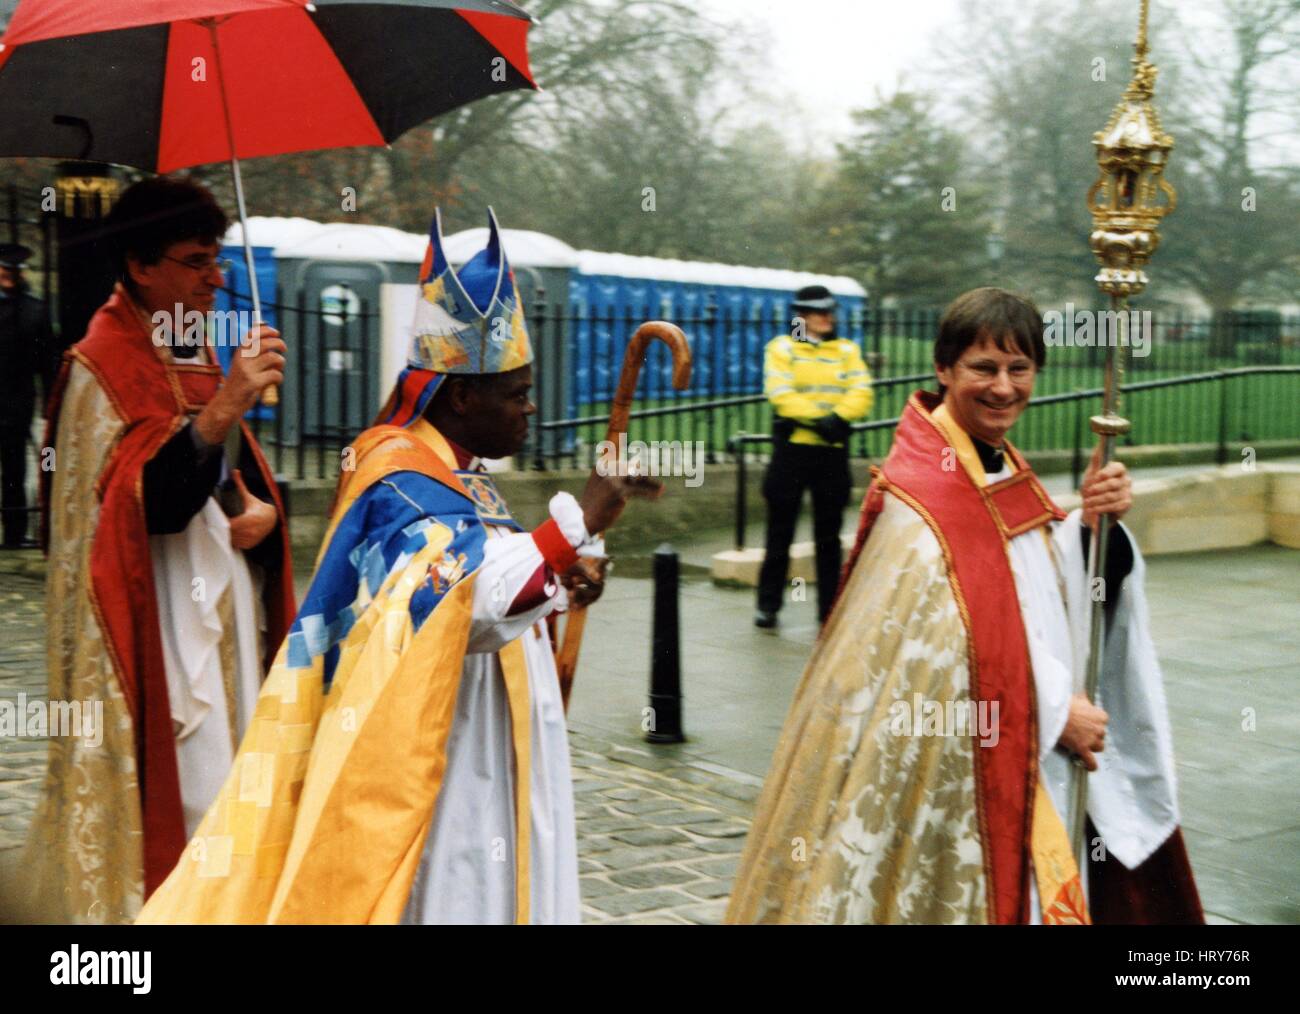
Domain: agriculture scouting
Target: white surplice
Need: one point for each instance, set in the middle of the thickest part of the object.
(1132, 797)
(192, 570)
(467, 870)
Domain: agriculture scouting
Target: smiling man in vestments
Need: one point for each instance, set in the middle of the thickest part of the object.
(890, 800)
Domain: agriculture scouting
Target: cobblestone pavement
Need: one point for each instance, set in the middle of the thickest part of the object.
(659, 832)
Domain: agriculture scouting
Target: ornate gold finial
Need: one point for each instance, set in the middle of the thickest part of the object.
(1131, 195)
(1143, 85)
(1126, 205)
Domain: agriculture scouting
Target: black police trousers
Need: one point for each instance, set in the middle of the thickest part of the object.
(13, 479)
(795, 468)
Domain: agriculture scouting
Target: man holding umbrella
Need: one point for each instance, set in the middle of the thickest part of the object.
(163, 601)
(818, 385)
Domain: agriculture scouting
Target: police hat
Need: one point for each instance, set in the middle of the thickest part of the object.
(13, 255)
(814, 297)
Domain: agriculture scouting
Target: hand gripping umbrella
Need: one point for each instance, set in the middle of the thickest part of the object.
(167, 84)
(566, 659)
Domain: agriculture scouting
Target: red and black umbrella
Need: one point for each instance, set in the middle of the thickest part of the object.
(166, 84)
(140, 82)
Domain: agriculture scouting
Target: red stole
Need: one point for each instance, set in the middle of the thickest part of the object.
(973, 525)
(154, 399)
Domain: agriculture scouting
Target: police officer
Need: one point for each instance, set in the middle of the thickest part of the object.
(26, 351)
(818, 385)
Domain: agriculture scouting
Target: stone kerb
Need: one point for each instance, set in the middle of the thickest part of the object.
(1284, 505)
(1222, 508)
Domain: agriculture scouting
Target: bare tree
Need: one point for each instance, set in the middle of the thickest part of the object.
(585, 53)
(1234, 107)
(1026, 84)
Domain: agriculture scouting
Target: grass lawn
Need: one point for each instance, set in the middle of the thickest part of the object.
(1259, 407)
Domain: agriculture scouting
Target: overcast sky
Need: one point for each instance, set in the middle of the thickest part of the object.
(830, 56)
(833, 54)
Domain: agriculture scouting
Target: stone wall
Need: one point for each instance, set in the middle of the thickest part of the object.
(1221, 508)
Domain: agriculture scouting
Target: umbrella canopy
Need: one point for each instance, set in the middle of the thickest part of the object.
(138, 82)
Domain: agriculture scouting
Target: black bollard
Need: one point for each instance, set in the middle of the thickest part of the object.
(664, 717)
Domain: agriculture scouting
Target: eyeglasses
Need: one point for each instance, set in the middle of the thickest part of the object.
(203, 264)
(1020, 373)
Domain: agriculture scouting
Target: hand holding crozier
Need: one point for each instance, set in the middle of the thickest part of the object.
(1085, 731)
(605, 496)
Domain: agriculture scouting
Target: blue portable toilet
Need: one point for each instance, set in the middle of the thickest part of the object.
(611, 293)
(337, 378)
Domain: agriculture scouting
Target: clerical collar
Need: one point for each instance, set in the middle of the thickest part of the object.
(169, 345)
(990, 457)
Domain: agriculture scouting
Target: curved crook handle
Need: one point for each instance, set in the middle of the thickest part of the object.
(566, 658)
(634, 358)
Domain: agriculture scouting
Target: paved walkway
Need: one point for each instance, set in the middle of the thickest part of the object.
(1226, 628)
(659, 830)
(661, 827)
(22, 670)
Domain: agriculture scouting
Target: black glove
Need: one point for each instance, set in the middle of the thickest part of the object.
(782, 428)
(832, 428)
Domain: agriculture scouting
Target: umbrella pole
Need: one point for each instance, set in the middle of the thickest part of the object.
(270, 396)
(248, 248)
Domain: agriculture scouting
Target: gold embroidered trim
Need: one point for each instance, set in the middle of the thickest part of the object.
(228, 649)
(972, 665)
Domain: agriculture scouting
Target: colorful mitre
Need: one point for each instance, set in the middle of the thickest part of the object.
(469, 321)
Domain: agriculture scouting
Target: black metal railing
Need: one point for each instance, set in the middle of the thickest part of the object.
(895, 345)
(1223, 420)
(335, 387)
(332, 388)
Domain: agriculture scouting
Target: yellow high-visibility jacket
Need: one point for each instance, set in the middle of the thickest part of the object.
(805, 381)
